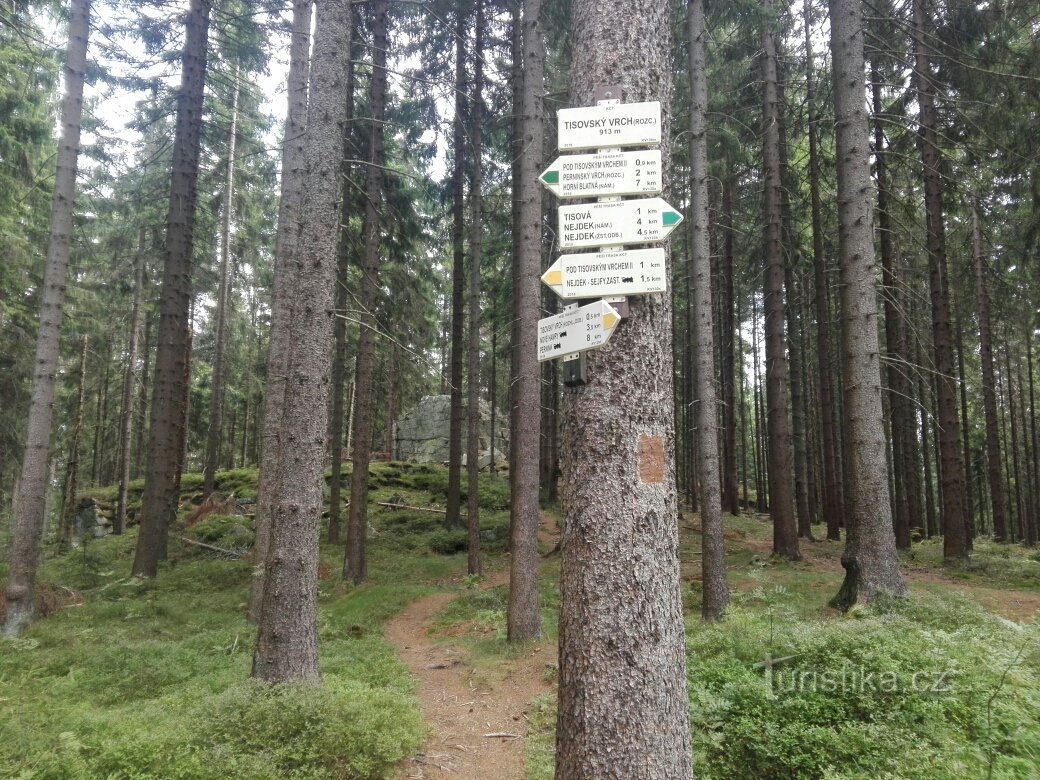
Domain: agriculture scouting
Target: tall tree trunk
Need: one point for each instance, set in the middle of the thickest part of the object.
(27, 528)
(126, 412)
(475, 237)
(344, 254)
(998, 498)
(1035, 460)
(452, 518)
(1025, 476)
(216, 398)
(898, 387)
(516, 149)
(1008, 470)
(969, 499)
(1015, 461)
(729, 366)
(140, 428)
(832, 511)
(924, 408)
(100, 412)
(68, 504)
(290, 212)
(619, 464)
(781, 480)
(355, 564)
(713, 545)
(758, 440)
(166, 430)
(523, 617)
(287, 639)
(339, 373)
(870, 560)
(952, 466)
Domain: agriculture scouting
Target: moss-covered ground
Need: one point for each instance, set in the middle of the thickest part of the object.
(150, 679)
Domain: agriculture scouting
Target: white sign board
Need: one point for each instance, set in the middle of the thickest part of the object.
(610, 173)
(581, 328)
(613, 124)
(620, 222)
(596, 274)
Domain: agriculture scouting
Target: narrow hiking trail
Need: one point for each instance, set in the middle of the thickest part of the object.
(477, 720)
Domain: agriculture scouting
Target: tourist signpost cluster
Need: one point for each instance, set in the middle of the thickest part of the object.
(607, 225)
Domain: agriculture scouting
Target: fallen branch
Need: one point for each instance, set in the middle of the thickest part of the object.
(416, 508)
(232, 553)
(502, 734)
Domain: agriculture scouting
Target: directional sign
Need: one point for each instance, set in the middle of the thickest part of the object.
(581, 328)
(611, 173)
(620, 222)
(596, 274)
(613, 124)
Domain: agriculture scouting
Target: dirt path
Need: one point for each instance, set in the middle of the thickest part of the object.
(477, 724)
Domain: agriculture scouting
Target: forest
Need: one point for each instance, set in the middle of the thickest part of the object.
(519, 389)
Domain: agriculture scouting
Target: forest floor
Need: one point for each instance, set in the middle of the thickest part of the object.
(130, 679)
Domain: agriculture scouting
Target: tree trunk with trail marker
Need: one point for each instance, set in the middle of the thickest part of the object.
(623, 705)
(523, 617)
(290, 211)
(870, 559)
(713, 559)
(27, 528)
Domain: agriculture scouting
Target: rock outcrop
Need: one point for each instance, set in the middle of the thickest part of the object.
(422, 435)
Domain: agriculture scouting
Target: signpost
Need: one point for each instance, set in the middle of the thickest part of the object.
(609, 273)
(577, 329)
(609, 125)
(611, 173)
(617, 222)
(607, 225)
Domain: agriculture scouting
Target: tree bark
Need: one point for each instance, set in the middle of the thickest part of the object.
(355, 564)
(523, 617)
(166, 430)
(870, 559)
(998, 498)
(832, 511)
(458, 272)
(126, 412)
(290, 212)
(475, 238)
(713, 545)
(898, 387)
(141, 432)
(287, 639)
(216, 398)
(344, 254)
(781, 496)
(729, 360)
(27, 528)
(951, 466)
(623, 704)
(68, 504)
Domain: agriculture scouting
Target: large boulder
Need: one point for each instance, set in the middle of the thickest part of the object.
(422, 434)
